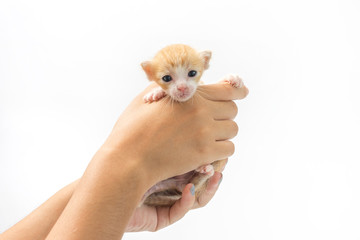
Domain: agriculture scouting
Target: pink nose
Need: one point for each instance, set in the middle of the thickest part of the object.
(182, 88)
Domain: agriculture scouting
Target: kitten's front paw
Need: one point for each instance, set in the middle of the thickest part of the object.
(233, 80)
(155, 95)
(206, 169)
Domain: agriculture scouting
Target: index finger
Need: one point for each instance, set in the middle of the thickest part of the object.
(222, 91)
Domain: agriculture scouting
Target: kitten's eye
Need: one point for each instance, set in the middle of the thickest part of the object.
(167, 78)
(192, 73)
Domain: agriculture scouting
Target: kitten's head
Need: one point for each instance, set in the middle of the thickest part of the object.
(177, 69)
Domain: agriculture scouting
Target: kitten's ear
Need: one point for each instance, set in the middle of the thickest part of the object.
(206, 55)
(147, 67)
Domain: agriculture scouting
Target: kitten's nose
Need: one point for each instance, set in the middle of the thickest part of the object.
(182, 88)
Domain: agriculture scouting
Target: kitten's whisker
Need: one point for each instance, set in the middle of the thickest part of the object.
(167, 102)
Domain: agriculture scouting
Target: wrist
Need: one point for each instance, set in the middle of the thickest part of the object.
(118, 164)
(105, 198)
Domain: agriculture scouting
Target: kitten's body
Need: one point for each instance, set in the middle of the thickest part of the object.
(177, 70)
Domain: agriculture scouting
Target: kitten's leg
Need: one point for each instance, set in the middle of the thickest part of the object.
(203, 173)
(154, 95)
(233, 80)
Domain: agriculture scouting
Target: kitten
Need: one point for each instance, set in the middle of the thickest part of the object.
(177, 70)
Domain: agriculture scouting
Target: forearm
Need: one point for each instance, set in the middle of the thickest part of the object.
(103, 201)
(98, 197)
(37, 225)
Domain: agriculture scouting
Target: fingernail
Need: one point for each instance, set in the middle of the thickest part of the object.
(220, 180)
(192, 190)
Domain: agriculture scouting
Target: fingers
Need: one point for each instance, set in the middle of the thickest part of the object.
(222, 92)
(210, 190)
(223, 110)
(184, 204)
(222, 149)
(225, 129)
(168, 215)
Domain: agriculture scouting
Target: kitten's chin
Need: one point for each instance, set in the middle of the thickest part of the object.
(181, 97)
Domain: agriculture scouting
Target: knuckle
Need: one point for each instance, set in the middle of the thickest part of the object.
(203, 132)
(232, 148)
(246, 92)
(236, 128)
(228, 90)
(203, 149)
(203, 199)
(203, 136)
(234, 108)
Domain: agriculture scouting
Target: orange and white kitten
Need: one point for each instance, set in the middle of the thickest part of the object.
(177, 70)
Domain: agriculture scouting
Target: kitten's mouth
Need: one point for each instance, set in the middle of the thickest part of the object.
(182, 96)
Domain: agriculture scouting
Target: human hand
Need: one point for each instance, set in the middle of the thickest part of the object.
(130, 162)
(147, 218)
(170, 138)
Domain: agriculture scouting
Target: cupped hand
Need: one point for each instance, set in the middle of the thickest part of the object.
(147, 218)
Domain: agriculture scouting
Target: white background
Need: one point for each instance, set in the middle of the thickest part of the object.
(69, 68)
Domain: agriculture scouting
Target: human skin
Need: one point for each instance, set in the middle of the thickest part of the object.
(179, 138)
(37, 225)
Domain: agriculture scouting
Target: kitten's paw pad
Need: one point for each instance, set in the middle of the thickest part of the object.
(233, 80)
(154, 95)
(206, 169)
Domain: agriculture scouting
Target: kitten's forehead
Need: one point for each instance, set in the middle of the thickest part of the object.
(181, 71)
(178, 55)
(179, 68)
(174, 71)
